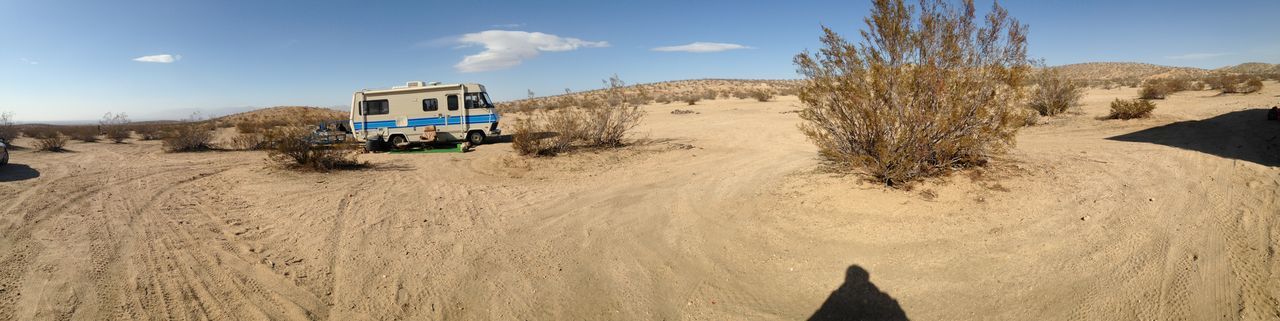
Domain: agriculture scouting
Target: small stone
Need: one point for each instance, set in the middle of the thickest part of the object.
(1151, 200)
(1084, 218)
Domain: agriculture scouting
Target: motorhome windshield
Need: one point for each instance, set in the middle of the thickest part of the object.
(478, 100)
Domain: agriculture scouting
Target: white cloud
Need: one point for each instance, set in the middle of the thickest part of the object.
(29, 61)
(505, 49)
(161, 59)
(701, 47)
(1197, 56)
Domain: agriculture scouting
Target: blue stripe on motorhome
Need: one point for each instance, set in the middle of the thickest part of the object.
(430, 121)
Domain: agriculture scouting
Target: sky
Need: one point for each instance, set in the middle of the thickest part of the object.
(76, 60)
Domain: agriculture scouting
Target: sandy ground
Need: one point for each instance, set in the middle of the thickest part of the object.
(720, 215)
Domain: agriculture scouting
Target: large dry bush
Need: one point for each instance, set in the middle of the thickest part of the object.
(607, 125)
(1131, 108)
(116, 127)
(925, 91)
(1054, 93)
(293, 147)
(188, 137)
(8, 130)
(601, 125)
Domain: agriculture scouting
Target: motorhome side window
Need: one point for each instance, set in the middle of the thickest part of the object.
(430, 104)
(375, 107)
(453, 102)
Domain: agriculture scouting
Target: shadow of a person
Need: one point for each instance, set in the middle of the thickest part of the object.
(859, 299)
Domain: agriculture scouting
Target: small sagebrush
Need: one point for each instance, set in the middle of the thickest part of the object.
(292, 146)
(49, 140)
(8, 130)
(189, 137)
(116, 127)
(1054, 93)
(761, 95)
(1131, 108)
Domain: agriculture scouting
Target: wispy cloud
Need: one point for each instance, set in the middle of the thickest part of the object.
(702, 47)
(1198, 56)
(160, 59)
(29, 61)
(505, 49)
(508, 25)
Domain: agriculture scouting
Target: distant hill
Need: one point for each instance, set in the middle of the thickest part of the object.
(281, 115)
(663, 92)
(1142, 71)
(1252, 68)
(1125, 71)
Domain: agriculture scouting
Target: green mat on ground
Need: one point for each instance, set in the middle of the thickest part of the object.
(457, 148)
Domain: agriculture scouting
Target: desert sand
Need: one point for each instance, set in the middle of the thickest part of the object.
(725, 214)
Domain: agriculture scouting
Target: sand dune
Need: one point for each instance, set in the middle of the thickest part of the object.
(721, 215)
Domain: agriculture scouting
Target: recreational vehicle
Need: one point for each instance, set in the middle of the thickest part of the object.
(423, 112)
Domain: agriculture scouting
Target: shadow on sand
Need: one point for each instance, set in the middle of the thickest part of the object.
(859, 299)
(1245, 135)
(17, 172)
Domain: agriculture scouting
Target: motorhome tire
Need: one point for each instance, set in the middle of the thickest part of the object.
(475, 138)
(374, 144)
(396, 141)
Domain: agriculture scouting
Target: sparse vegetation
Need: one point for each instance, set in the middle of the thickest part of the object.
(189, 137)
(116, 126)
(1054, 93)
(1161, 88)
(1131, 108)
(602, 125)
(761, 95)
(291, 146)
(691, 99)
(8, 130)
(87, 134)
(1234, 83)
(925, 92)
(48, 139)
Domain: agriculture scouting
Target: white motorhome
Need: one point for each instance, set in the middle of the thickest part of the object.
(424, 112)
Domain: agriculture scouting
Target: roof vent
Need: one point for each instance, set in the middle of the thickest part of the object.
(433, 83)
(414, 84)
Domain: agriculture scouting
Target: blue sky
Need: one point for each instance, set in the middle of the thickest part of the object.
(75, 60)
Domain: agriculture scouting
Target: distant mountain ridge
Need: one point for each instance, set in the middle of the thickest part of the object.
(1141, 71)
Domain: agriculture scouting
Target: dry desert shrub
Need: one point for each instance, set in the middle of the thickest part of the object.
(1131, 108)
(189, 137)
(88, 134)
(48, 139)
(603, 125)
(607, 125)
(1161, 88)
(292, 146)
(761, 95)
(691, 99)
(116, 127)
(1030, 117)
(8, 130)
(925, 91)
(1054, 93)
(1234, 84)
(250, 141)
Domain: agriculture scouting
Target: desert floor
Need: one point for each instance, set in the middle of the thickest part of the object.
(721, 215)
